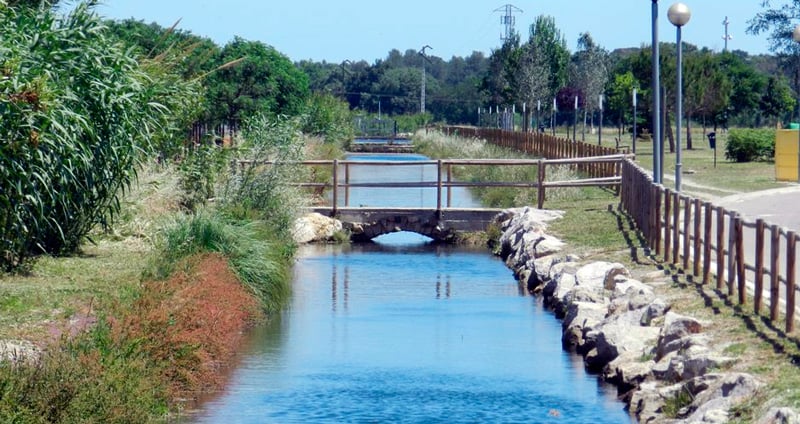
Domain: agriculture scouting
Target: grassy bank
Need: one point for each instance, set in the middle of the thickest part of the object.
(148, 316)
(144, 319)
(595, 230)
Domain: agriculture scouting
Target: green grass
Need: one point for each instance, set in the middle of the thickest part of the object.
(700, 176)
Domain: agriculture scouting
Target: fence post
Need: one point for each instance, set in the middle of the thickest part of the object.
(449, 185)
(740, 260)
(774, 272)
(707, 243)
(698, 216)
(791, 285)
(676, 229)
(346, 184)
(687, 221)
(720, 255)
(335, 186)
(759, 283)
(731, 253)
(439, 188)
(541, 188)
(667, 224)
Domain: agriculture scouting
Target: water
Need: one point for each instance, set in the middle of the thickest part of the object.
(406, 332)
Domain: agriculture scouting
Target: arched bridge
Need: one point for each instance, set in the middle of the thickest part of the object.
(444, 225)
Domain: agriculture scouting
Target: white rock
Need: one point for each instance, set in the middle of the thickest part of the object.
(315, 227)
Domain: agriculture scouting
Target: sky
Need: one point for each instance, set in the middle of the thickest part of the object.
(338, 30)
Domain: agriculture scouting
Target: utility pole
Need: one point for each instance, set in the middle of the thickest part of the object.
(727, 36)
(422, 86)
(508, 20)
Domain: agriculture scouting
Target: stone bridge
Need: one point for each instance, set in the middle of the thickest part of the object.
(441, 225)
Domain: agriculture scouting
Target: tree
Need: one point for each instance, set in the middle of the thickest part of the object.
(707, 89)
(779, 22)
(619, 98)
(547, 39)
(777, 100)
(589, 72)
(254, 78)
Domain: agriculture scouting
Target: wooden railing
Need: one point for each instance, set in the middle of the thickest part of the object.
(445, 181)
(702, 239)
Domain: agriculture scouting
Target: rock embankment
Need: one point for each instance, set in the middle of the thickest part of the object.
(665, 366)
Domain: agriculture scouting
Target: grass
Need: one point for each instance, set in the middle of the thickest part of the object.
(700, 177)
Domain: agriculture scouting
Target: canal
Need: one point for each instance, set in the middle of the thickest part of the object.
(408, 332)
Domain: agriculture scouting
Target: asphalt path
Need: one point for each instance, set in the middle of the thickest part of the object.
(778, 206)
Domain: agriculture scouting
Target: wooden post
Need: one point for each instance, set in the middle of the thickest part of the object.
(667, 224)
(687, 221)
(758, 298)
(439, 187)
(657, 193)
(346, 184)
(720, 248)
(731, 253)
(698, 216)
(676, 229)
(541, 188)
(707, 243)
(774, 272)
(791, 284)
(335, 186)
(740, 261)
(449, 187)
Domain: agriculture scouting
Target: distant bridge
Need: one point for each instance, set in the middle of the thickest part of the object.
(444, 225)
(441, 222)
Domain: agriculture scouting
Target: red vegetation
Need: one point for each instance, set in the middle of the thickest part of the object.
(191, 325)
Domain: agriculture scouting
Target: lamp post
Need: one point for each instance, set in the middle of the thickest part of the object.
(679, 15)
(657, 142)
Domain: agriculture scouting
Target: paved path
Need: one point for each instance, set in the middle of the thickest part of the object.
(778, 206)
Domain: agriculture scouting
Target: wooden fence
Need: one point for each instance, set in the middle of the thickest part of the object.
(715, 245)
(546, 146)
(711, 244)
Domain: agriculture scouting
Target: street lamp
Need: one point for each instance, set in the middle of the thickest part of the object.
(679, 15)
(657, 145)
(796, 37)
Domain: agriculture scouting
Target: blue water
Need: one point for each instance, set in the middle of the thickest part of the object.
(407, 332)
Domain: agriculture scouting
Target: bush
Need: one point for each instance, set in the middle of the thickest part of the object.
(746, 145)
(260, 190)
(198, 173)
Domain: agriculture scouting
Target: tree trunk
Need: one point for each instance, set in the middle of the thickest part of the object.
(583, 131)
(666, 126)
(526, 121)
(689, 132)
(670, 136)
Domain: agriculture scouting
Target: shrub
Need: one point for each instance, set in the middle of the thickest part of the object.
(260, 190)
(199, 172)
(746, 145)
(328, 117)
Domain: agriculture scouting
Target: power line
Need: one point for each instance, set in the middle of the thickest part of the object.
(508, 20)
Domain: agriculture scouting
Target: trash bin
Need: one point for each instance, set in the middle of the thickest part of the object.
(712, 139)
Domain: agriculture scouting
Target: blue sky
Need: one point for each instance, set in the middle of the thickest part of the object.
(335, 30)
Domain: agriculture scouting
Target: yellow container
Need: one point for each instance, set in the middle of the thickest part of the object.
(787, 155)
